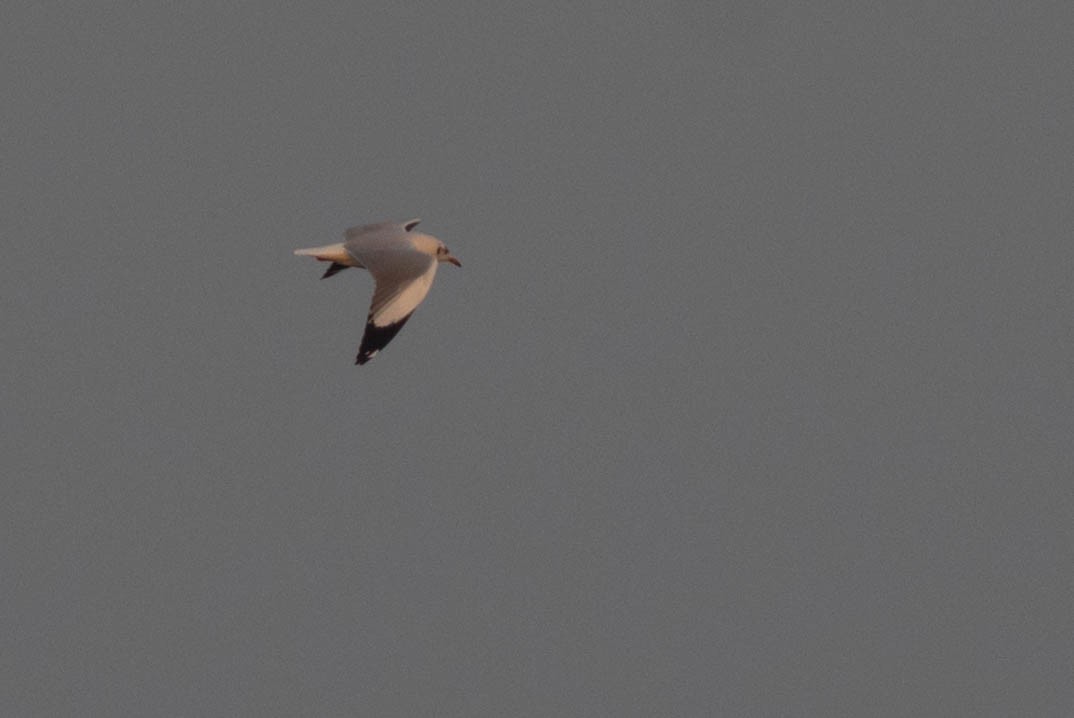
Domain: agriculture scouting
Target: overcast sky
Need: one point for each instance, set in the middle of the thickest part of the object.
(752, 396)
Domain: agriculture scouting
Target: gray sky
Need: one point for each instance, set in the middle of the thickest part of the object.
(752, 397)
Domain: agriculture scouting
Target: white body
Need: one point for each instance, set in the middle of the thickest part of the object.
(403, 264)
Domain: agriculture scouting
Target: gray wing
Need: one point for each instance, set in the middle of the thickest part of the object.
(379, 229)
(403, 280)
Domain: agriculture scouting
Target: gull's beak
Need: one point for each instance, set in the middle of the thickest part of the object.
(452, 259)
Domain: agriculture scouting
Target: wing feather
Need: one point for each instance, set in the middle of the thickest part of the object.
(403, 279)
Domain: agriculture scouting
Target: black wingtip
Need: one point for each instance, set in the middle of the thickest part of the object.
(333, 268)
(376, 338)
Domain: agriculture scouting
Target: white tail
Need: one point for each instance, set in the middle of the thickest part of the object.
(328, 253)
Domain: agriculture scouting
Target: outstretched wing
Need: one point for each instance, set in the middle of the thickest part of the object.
(403, 280)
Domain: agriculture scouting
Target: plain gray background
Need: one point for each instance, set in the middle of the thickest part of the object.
(752, 397)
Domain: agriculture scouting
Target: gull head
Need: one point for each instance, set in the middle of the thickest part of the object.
(431, 245)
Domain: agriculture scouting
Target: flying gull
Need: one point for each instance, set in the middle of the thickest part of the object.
(403, 264)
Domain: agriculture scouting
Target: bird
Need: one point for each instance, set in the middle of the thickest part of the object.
(403, 263)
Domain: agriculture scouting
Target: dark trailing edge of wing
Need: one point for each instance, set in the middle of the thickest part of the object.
(332, 269)
(376, 338)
